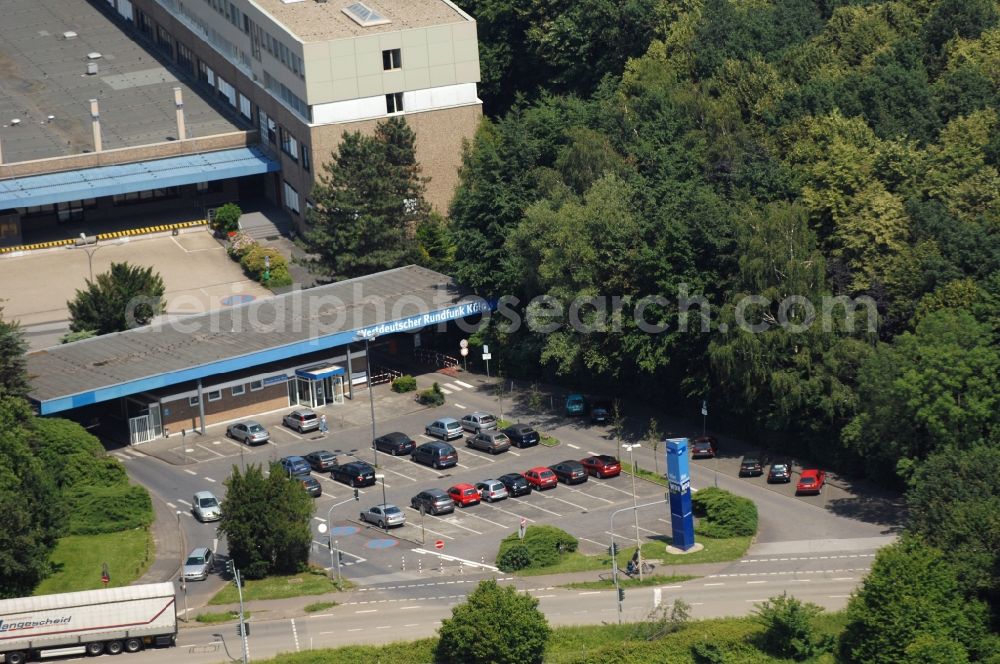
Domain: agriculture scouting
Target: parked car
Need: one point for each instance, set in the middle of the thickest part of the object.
(384, 516)
(515, 484)
(600, 410)
(310, 484)
(541, 478)
(602, 466)
(479, 421)
(464, 495)
(434, 501)
(576, 404)
(447, 428)
(395, 443)
(198, 564)
(355, 474)
(704, 447)
(493, 442)
(522, 435)
(436, 455)
(295, 465)
(811, 481)
(780, 471)
(321, 460)
(249, 432)
(491, 490)
(569, 471)
(301, 420)
(752, 465)
(205, 506)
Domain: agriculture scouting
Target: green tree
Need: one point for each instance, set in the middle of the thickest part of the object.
(266, 521)
(932, 649)
(437, 250)
(473, 634)
(227, 218)
(954, 504)
(911, 591)
(788, 630)
(30, 518)
(13, 364)
(368, 204)
(124, 297)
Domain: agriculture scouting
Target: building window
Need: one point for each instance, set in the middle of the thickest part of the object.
(245, 107)
(394, 103)
(185, 58)
(192, 401)
(238, 390)
(391, 59)
(215, 395)
(306, 158)
(291, 198)
(256, 385)
(289, 145)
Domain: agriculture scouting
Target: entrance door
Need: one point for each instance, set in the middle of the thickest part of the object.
(319, 393)
(336, 389)
(140, 429)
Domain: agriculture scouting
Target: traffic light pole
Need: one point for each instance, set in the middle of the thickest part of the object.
(619, 591)
(330, 542)
(243, 627)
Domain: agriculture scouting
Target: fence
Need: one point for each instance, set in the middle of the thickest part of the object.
(428, 356)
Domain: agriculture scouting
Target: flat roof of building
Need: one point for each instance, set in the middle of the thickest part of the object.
(187, 348)
(313, 21)
(44, 74)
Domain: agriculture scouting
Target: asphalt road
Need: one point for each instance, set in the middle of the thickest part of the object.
(817, 547)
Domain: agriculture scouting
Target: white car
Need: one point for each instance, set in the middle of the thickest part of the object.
(205, 506)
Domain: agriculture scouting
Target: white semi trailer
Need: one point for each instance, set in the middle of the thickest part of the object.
(112, 620)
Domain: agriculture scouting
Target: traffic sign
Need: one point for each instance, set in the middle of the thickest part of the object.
(487, 356)
(439, 544)
(464, 343)
(463, 351)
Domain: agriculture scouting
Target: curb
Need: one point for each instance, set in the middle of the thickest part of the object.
(148, 230)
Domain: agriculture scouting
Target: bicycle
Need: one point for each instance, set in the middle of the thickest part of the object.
(646, 568)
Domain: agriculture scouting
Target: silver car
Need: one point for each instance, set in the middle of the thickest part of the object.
(249, 432)
(198, 564)
(301, 420)
(479, 421)
(384, 516)
(205, 506)
(493, 442)
(492, 490)
(447, 428)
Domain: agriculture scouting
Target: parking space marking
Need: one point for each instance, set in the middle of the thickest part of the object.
(183, 502)
(424, 435)
(458, 405)
(208, 479)
(233, 443)
(575, 447)
(517, 454)
(454, 522)
(293, 434)
(172, 506)
(394, 472)
(537, 507)
(579, 507)
(434, 532)
(589, 494)
(465, 385)
(593, 541)
(189, 471)
(593, 453)
(614, 488)
(500, 509)
(476, 516)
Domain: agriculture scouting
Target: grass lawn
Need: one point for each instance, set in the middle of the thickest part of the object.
(715, 551)
(279, 587)
(644, 474)
(220, 616)
(77, 561)
(625, 582)
(547, 440)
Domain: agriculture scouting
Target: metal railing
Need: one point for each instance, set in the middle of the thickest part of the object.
(428, 356)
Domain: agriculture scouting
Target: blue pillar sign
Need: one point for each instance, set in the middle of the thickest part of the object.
(679, 480)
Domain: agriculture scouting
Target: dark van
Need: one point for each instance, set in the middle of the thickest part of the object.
(436, 455)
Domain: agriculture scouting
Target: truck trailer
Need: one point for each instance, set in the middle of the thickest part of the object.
(112, 620)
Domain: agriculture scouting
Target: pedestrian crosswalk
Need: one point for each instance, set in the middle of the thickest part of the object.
(454, 386)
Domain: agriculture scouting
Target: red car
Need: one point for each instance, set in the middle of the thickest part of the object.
(811, 481)
(602, 465)
(464, 495)
(541, 477)
(704, 446)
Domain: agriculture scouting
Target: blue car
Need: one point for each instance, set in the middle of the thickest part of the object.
(576, 404)
(295, 465)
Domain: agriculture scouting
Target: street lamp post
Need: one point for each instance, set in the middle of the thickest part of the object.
(332, 544)
(385, 520)
(83, 242)
(638, 542)
(184, 587)
(614, 557)
(371, 396)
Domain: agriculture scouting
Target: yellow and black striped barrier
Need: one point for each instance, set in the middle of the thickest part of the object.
(106, 236)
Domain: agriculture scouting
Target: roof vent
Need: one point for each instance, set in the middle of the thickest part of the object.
(93, 55)
(91, 68)
(69, 34)
(364, 15)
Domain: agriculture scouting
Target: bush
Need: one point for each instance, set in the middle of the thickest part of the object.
(107, 509)
(433, 396)
(227, 218)
(239, 245)
(514, 557)
(543, 545)
(724, 514)
(253, 264)
(788, 630)
(404, 384)
(279, 277)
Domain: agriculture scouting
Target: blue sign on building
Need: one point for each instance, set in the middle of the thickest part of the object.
(679, 480)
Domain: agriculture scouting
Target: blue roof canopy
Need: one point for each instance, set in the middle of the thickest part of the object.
(140, 176)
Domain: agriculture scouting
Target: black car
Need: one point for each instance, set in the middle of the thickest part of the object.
(569, 472)
(321, 460)
(311, 485)
(600, 410)
(752, 465)
(522, 435)
(355, 473)
(436, 455)
(781, 471)
(395, 443)
(516, 484)
(434, 501)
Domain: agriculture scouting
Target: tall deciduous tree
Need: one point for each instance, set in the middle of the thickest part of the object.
(124, 297)
(473, 636)
(368, 204)
(30, 519)
(13, 371)
(266, 521)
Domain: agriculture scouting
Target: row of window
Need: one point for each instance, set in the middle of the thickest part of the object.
(261, 38)
(235, 390)
(278, 89)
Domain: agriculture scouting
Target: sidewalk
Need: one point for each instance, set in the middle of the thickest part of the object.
(168, 543)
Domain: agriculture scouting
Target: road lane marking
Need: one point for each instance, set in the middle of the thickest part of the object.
(713, 584)
(404, 608)
(592, 541)
(295, 635)
(366, 611)
(517, 454)
(458, 405)
(592, 592)
(593, 453)
(575, 447)
(445, 557)
(189, 471)
(172, 506)
(184, 502)
(208, 479)
(752, 582)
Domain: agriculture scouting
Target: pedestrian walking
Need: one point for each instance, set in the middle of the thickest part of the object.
(322, 425)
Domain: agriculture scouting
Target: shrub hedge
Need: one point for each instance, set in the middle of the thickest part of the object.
(542, 545)
(723, 514)
(404, 384)
(94, 509)
(433, 396)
